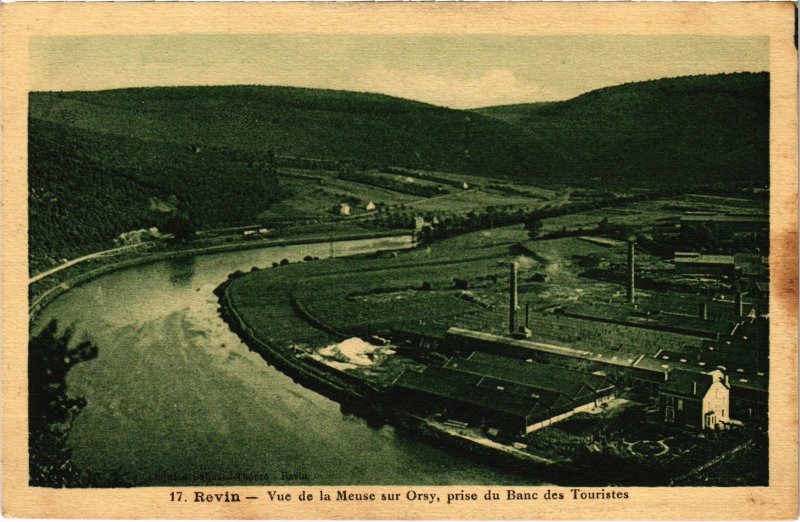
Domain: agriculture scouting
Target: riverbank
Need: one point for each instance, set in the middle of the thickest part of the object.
(338, 386)
(44, 291)
(311, 305)
(358, 397)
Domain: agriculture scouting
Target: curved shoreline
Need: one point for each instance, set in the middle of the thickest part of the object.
(58, 289)
(357, 396)
(366, 401)
(361, 398)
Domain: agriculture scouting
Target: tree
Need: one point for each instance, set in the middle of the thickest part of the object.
(534, 226)
(180, 226)
(51, 410)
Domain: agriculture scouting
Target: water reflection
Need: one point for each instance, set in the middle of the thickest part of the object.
(174, 394)
(182, 270)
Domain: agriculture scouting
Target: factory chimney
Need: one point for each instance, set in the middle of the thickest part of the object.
(703, 312)
(512, 298)
(738, 304)
(631, 264)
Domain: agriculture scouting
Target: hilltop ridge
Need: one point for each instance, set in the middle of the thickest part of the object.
(679, 130)
(98, 159)
(670, 130)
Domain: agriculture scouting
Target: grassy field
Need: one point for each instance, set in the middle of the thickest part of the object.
(376, 295)
(576, 296)
(316, 195)
(462, 281)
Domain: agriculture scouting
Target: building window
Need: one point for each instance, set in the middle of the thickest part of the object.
(680, 404)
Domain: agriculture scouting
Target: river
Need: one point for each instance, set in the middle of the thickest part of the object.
(174, 398)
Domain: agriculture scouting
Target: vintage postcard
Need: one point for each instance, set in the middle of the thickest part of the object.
(399, 261)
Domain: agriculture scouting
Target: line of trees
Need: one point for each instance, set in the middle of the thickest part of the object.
(52, 411)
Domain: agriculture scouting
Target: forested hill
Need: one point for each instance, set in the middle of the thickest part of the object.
(369, 129)
(85, 188)
(100, 162)
(674, 130)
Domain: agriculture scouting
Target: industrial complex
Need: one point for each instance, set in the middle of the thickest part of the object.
(630, 343)
(516, 385)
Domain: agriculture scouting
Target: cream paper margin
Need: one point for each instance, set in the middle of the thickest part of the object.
(22, 21)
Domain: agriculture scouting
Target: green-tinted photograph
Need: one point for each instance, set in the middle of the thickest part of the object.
(295, 259)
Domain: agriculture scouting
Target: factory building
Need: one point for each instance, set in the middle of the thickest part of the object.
(749, 397)
(580, 387)
(500, 394)
(730, 223)
(471, 341)
(696, 263)
(695, 399)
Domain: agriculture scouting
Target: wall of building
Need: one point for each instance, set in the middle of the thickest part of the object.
(687, 411)
(583, 408)
(423, 403)
(718, 400)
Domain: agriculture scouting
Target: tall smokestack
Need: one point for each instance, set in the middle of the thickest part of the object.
(631, 262)
(512, 298)
(738, 304)
(703, 311)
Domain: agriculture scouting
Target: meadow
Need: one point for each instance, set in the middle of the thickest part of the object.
(461, 281)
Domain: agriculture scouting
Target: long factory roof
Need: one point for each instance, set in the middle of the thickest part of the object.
(465, 388)
(571, 383)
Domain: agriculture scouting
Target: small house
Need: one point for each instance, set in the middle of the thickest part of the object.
(370, 206)
(137, 236)
(698, 400)
(344, 209)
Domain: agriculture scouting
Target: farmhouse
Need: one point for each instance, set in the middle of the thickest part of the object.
(137, 236)
(696, 400)
(419, 222)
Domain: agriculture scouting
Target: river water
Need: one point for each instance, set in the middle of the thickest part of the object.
(175, 398)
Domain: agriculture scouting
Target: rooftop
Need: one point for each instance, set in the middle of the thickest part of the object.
(706, 259)
(572, 383)
(689, 383)
(483, 336)
(463, 387)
